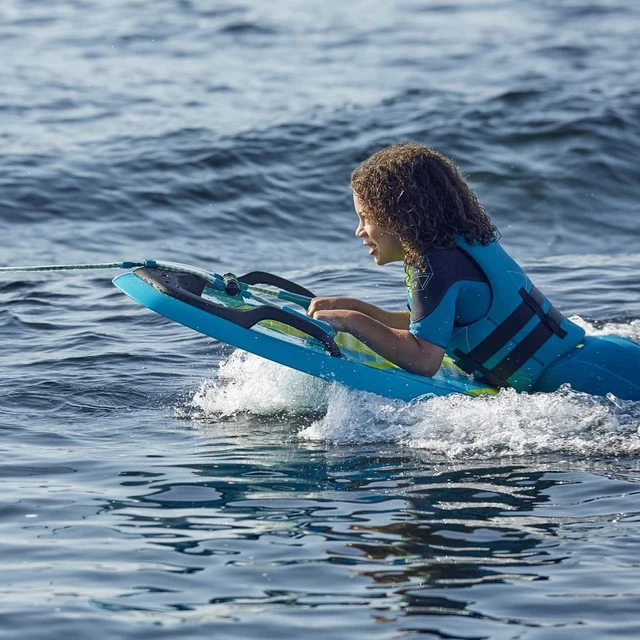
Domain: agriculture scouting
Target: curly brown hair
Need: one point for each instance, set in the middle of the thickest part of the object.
(419, 195)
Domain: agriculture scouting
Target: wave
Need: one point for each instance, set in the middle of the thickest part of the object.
(455, 427)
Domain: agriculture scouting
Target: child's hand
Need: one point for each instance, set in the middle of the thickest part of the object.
(330, 304)
(339, 319)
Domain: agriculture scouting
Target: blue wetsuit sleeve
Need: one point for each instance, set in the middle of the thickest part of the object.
(437, 326)
(449, 289)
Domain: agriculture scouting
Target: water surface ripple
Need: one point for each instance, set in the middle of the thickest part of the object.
(157, 485)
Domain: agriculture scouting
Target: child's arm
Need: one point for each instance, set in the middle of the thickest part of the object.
(393, 319)
(396, 345)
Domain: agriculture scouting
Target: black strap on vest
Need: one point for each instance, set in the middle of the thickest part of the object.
(530, 306)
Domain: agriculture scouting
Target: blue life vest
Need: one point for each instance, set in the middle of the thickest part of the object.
(520, 335)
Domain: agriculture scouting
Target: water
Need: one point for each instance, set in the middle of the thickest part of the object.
(157, 485)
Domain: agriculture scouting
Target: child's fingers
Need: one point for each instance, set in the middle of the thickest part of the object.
(328, 304)
(319, 304)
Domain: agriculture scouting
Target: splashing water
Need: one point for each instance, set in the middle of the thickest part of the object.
(246, 383)
(455, 426)
(629, 330)
(509, 424)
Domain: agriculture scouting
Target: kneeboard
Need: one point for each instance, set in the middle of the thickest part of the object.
(225, 309)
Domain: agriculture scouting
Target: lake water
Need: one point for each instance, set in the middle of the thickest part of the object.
(157, 484)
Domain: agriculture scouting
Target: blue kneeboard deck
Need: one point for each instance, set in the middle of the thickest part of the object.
(284, 335)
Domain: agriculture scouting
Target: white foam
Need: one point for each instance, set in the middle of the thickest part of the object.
(629, 330)
(250, 384)
(455, 426)
(509, 424)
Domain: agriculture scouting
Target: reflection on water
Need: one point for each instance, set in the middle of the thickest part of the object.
(237, 524)
(416, 544)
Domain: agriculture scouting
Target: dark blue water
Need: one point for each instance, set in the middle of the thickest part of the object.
(157, 485)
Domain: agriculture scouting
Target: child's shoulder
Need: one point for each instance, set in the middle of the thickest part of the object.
(437, 259)
(448, 265)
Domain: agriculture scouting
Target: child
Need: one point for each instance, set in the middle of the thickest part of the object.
(467, 297)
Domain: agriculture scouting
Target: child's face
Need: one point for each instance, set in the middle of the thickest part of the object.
(383, 246)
